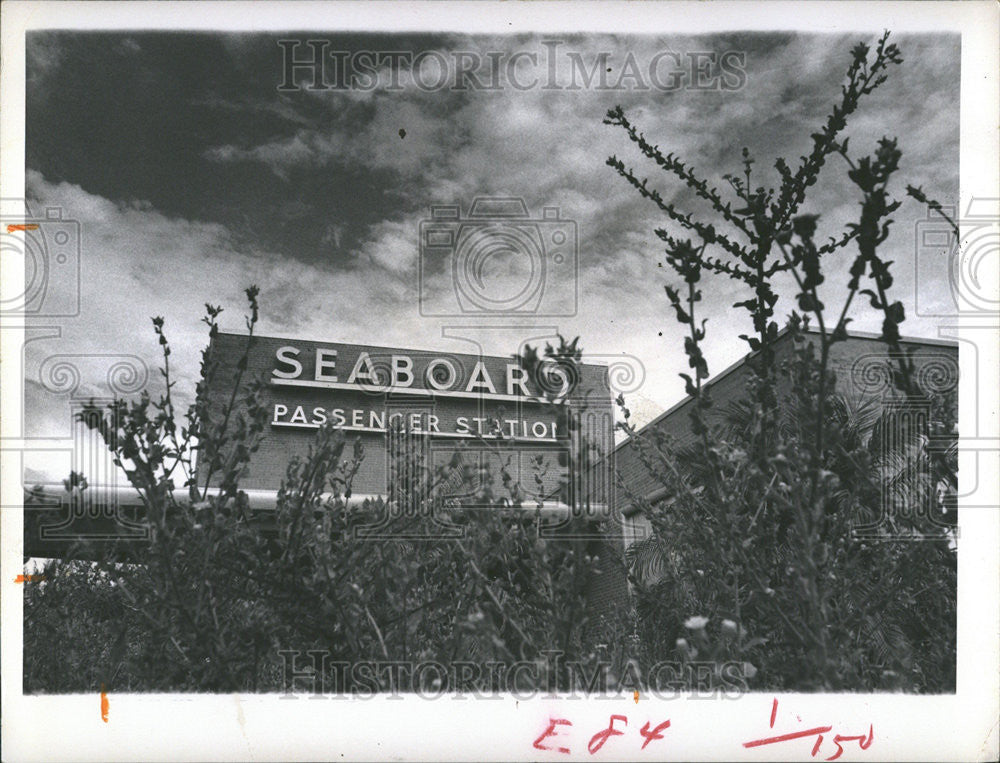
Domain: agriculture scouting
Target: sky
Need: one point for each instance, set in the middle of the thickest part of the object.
(193, 175)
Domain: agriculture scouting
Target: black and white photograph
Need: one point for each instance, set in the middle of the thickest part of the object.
(537, 381)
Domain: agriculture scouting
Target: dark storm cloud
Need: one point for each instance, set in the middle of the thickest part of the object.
(193, 176)
(132, 117)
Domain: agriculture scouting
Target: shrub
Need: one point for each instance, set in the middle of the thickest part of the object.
(756, 525)
(221, 591)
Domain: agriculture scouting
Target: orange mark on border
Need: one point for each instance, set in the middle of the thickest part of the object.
(28, 226)
(104, 704)
(635, 696)
(29, 578)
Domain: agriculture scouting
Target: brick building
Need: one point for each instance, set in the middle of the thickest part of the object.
(860, 364)
(445, 402)
(448, 402)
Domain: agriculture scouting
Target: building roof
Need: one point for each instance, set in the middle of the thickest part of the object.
(782, 334)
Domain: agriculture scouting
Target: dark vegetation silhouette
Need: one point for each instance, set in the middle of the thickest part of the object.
(751, 562)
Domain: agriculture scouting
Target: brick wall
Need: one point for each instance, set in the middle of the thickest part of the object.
(858, 363)
(282, 442)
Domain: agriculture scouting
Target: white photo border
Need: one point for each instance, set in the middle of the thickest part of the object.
(189, 727)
